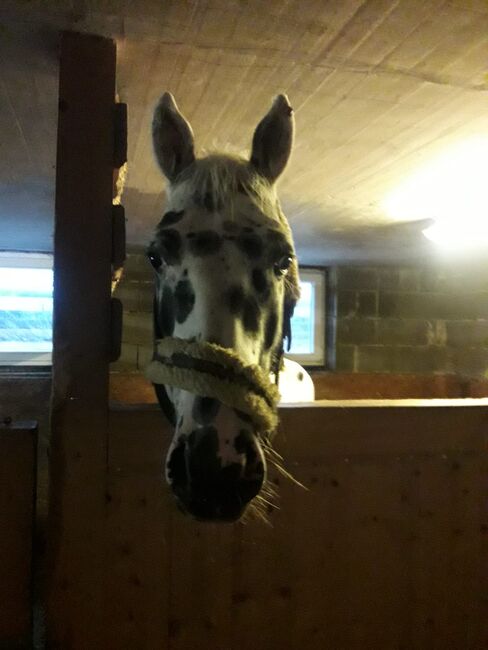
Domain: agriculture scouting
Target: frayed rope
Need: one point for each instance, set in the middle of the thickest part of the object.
(210, 370)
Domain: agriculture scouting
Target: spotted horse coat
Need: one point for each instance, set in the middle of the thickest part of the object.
(225, 274)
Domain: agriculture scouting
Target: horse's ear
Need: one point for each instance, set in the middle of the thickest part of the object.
(172, 138)
(273, 139)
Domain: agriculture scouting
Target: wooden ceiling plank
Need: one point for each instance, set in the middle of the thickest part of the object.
(363, 121)
(472, 65)
(448, 118)
(469, 28)
(395, 29)
(358, 28)
(387, 168)
(160, 64)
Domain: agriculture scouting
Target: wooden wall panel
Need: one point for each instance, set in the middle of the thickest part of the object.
(199, 585)
(384, 549)
(137, 535)
(18, 449)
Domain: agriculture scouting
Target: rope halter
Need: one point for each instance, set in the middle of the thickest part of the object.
(210, 370)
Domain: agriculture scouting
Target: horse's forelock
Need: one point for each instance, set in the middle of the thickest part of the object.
(221, 178)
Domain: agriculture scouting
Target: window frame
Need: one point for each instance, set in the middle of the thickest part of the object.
(317, 358)
(25, 260)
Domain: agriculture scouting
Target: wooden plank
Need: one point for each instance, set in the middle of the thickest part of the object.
(200, 584)
(383, 427)
(384, 549)
(82, 274)
(138, 536)
(18, 449)
(264, 580)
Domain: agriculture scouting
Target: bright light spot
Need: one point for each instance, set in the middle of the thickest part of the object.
(31, 281)
(453, 190)
(26, 306)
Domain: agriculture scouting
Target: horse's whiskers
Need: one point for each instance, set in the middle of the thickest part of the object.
(289, 476)
(258, 511)
(261, 499)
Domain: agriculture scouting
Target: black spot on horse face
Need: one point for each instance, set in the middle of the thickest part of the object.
(270, 330)
(184, 298)
(208, 201)
(246, 190)
(243, 416)
(243, 444)
(170, 218)
(176, 466)
(230, 226)
(251, 245)
(205, 242)
(250, 315)
(205, 409)
(274, 235)
(235, 299)
(278, 244)
(170, 245)
(259, 281)
(203, 459)
(166, 310)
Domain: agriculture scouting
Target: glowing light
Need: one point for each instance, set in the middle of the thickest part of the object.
(452, 189)
(20, 280)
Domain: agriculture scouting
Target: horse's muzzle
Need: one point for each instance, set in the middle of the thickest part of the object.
(209, 491)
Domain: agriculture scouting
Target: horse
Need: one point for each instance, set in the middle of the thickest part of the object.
(226, 284)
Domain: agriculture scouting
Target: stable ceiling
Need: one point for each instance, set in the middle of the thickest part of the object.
(379, 87)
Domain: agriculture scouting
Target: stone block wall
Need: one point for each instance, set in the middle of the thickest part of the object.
(135, 290)
(409, 320)
(379, 319)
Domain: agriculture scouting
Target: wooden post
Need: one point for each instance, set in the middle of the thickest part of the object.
(82, 276)
(18, 448)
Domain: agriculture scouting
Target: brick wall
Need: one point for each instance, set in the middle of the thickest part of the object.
(413, 320)
(135, 290)
(379, 319)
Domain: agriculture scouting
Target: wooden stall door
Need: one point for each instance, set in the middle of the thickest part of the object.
(18, 448)
(385, 550)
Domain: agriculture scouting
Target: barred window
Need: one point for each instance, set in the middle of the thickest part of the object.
(26, 309)
(308, 322)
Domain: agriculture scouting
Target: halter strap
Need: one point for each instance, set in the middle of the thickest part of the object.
(210, 370)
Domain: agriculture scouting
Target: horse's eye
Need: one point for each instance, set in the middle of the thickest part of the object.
(155, 258)
(282, 266)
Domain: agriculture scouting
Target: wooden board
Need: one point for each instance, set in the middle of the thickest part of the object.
(18, 449)
(81, 342)
(384, 549)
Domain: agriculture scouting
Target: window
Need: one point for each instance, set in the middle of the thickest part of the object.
(26, 309)
(308, 322)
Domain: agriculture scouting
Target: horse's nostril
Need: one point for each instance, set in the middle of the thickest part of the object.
(176, 467)
(247, 445)
(220, 497)
(249, 488)
(208, 488)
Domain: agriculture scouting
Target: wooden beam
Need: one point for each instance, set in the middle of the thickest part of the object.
(82, 275)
